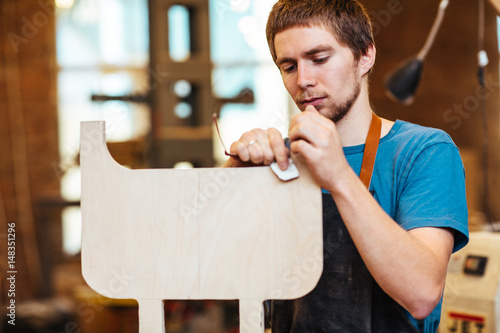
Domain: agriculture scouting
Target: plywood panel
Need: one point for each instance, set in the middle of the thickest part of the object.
(207, 233)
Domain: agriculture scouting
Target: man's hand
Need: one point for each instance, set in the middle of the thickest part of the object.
(259, 147)
(316, 139)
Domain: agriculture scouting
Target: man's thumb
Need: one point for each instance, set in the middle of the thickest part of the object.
(311, 108)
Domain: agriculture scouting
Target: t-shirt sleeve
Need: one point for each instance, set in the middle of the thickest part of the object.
(434, 192)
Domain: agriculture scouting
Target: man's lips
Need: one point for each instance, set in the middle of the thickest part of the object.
(313, 101)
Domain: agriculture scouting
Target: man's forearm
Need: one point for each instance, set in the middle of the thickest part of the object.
(409, 265)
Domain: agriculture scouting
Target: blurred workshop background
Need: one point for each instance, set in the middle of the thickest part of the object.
(156, 71)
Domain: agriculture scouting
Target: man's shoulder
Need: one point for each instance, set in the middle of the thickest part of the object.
(407, 141)
(406, 133)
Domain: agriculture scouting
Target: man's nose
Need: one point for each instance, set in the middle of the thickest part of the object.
(305, 76)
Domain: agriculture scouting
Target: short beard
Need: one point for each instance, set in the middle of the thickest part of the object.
(339, 111)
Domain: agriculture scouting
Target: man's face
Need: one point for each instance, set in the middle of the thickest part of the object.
(317, 70)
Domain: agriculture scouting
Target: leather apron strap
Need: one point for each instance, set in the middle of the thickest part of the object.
(371, 147)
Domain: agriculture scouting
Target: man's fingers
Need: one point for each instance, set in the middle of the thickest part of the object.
(261, 147)
(239, 148)
(307, 131)
(280, 152)
(311, 127)
(257, 154)
(302, 147)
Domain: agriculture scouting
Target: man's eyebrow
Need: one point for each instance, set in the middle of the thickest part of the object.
(317, 49)
(308, 53)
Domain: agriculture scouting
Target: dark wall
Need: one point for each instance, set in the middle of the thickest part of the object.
(448, 96)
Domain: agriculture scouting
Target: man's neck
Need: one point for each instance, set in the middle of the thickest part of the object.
(353, 128)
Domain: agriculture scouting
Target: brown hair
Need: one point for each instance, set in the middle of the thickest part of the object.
(347, 20)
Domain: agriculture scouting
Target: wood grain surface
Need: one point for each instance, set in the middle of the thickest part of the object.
(208, 233)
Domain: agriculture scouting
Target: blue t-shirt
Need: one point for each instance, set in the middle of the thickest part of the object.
(419, 181)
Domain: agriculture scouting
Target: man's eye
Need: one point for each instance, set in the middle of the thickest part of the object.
(289, 69)
(320, 60)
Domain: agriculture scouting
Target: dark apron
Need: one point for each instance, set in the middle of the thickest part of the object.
(346, 299)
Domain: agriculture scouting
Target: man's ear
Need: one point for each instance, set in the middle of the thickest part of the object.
(367, 60)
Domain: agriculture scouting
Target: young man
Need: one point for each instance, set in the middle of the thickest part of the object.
(386, 247)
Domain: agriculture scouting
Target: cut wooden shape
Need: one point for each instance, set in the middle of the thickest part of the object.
(208, 233)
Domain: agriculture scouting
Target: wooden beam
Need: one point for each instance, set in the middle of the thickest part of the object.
(26, 226)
